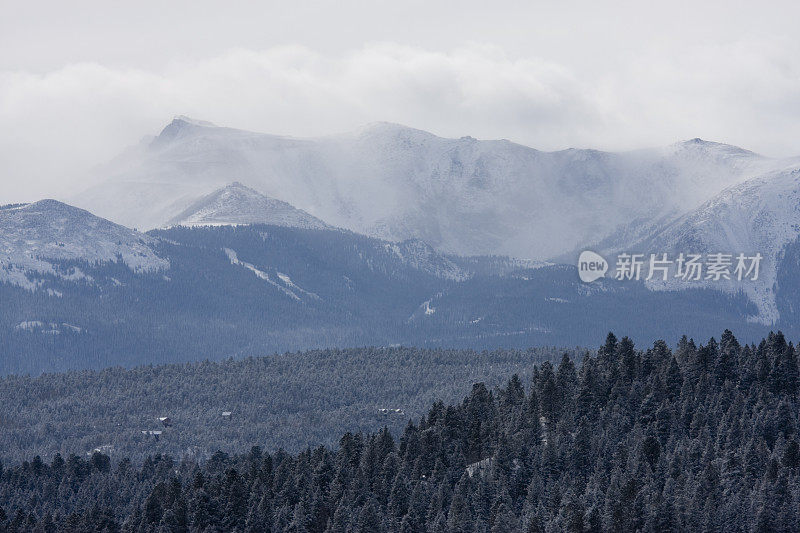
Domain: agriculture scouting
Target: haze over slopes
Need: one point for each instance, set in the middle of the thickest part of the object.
(78, 85)
(461, 196)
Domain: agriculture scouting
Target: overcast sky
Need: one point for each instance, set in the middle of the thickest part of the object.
(81, 80)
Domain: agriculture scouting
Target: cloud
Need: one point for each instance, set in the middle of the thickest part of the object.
(57, 125)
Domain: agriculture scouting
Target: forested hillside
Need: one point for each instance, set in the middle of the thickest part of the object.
(699, 438)
(293, 400)
(256, 290)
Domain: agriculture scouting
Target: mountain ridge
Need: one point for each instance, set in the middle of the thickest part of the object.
(34, 236)
(234, 290)
(461, 195)
(759, 215)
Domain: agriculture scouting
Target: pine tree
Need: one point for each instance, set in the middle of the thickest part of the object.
(368, 520)
(505, 520)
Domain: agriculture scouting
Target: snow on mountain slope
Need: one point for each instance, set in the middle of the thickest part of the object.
(761, 215)
(234, 259)
(421, 256)
(237, 204)
(33, 236)
(463, 196)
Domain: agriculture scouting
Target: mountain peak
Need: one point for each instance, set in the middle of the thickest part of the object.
(193, 121)
(390, 128)
(58, 220)
(46, 207)
(701, 145)
(55, 205)
(385, 125)
(239, 186)
(236, 203)
(179, 127)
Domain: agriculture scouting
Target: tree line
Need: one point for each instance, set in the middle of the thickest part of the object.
(291, 400)
(702, 437)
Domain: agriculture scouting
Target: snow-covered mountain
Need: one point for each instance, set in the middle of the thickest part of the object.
(464, 196)
(760, 215)
(242, 290)
(237, 204)
(35, 237)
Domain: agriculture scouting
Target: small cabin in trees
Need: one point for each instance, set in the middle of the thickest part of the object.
(155, 433)
(165, 421)
(226, 415)
(480, 467)
(384, 411)
(105, 449)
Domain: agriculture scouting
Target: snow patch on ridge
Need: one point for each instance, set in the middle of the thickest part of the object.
(419, 255)
(289, 283)
(287, 287)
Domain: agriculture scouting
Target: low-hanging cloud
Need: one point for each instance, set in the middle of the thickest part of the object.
(58, 125)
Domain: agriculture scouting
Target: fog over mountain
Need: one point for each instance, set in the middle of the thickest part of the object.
(463, 196)
(758, 216)
(380, 245)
